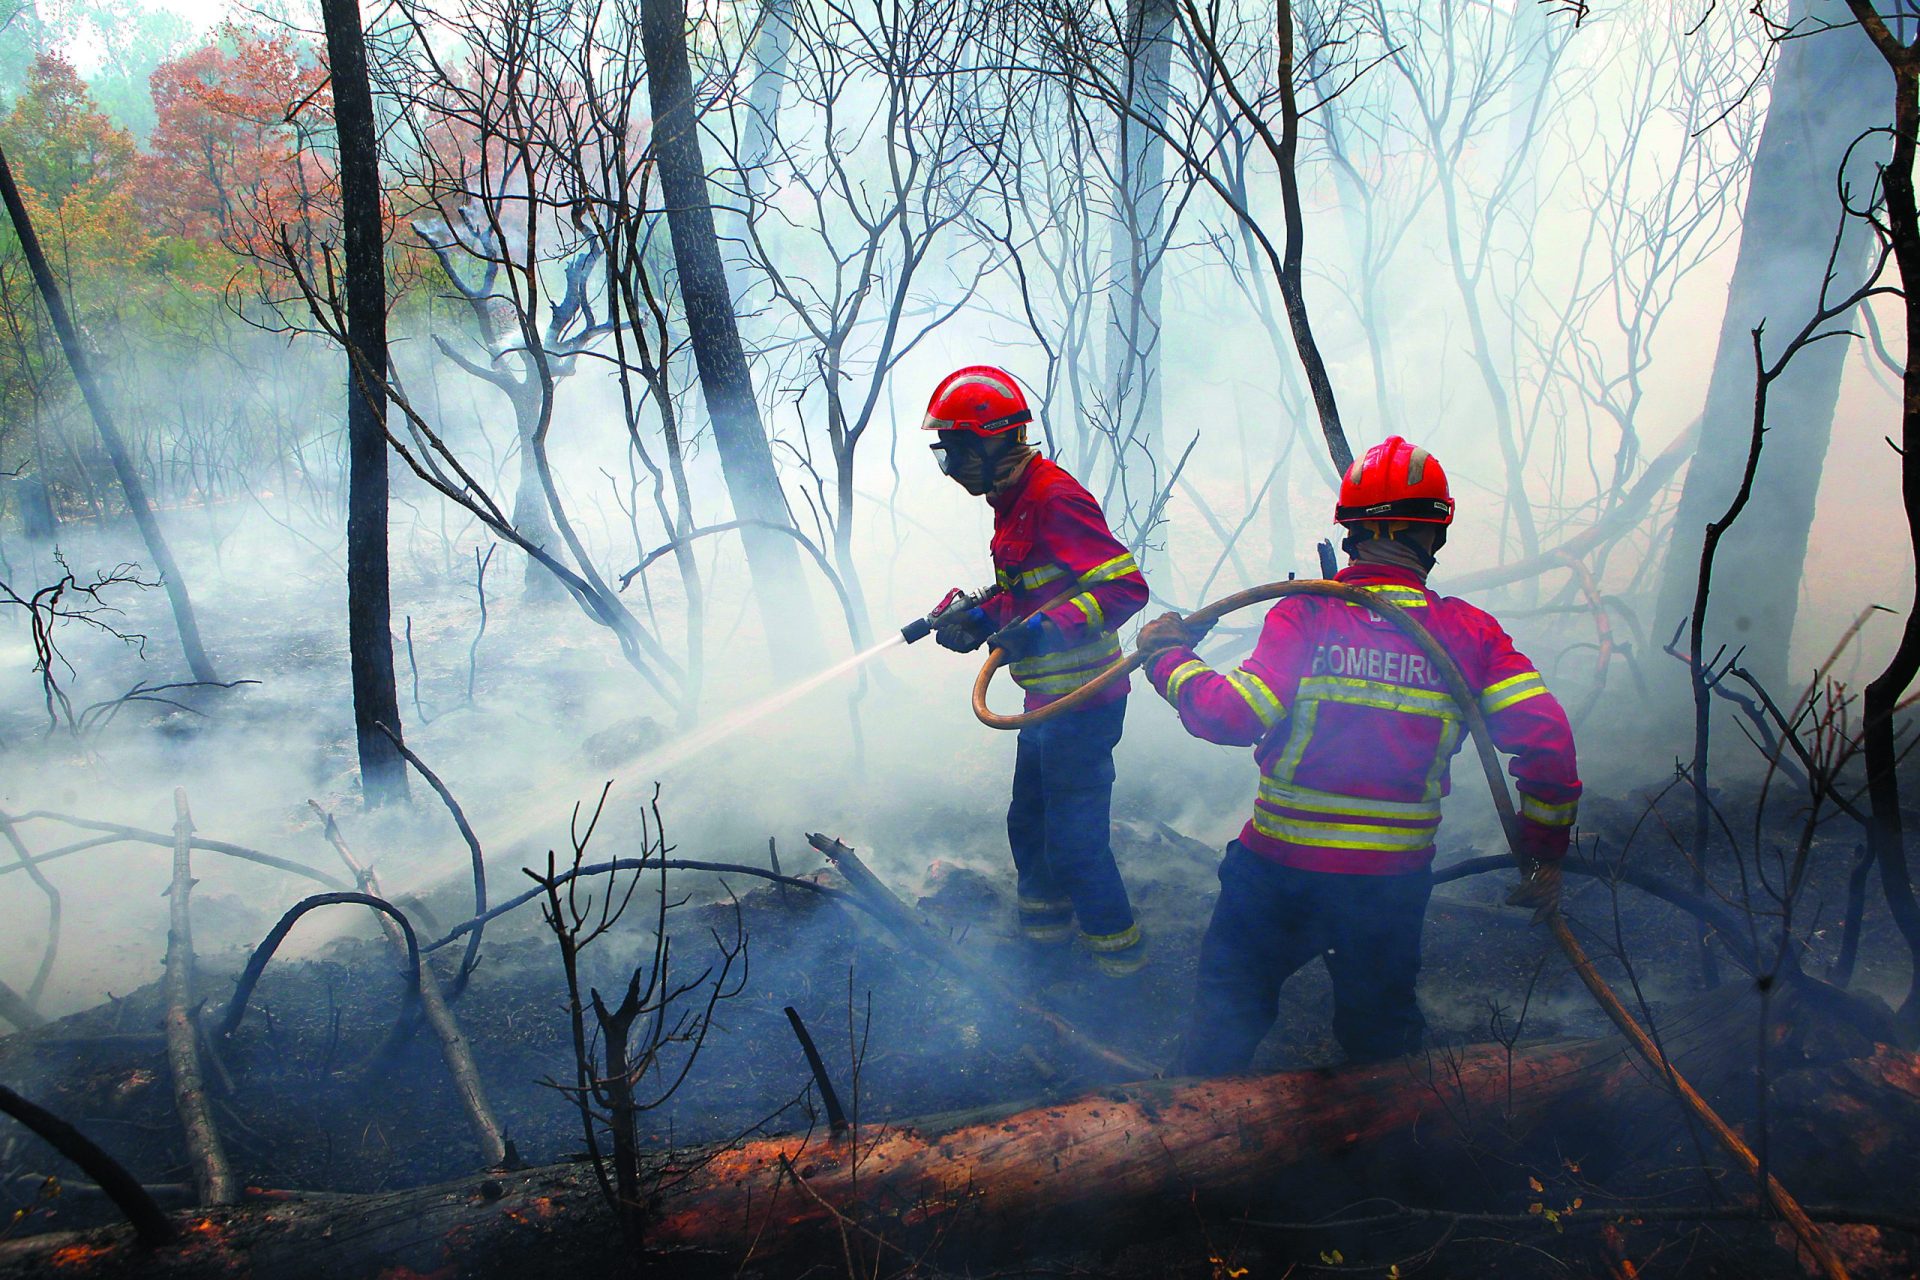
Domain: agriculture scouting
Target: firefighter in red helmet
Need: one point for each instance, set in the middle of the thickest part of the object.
(1066, 585)
(1353, 731)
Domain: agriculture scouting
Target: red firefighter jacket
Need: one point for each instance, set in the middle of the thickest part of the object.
(1354, 731)
(1050, 537)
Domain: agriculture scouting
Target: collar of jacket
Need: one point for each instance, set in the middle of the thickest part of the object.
(1363, 574)
(1006, 496)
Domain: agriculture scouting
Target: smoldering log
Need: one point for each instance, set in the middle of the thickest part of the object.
(212, 1176)
(908, 926)
(454, 1048)
(1124, 1162)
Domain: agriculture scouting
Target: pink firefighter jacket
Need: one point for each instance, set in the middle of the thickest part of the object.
(1354, 732)
(1049, 537)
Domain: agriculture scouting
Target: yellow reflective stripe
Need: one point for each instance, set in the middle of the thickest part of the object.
(1089, 608)
(1118, 567)
(1548, 815)
(1040, 577)
(1393, 593)
(1342, 835)
(1379, 693)
(1261, 699)
(1273, 791)
(1103, 646)
(1120, 941)
(1058, 673)
(1503, 694)
(1181, 674)
(1002, 577)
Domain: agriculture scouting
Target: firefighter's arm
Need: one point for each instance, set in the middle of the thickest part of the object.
(1529, 724)
(1073, 533)
(1236, 708)
(999, 606)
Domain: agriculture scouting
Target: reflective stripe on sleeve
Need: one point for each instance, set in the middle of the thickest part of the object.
(1181, 674)
(1505, 693)
(1112, 570)
(1264, 703)
(1548, 815)
(1089, 608)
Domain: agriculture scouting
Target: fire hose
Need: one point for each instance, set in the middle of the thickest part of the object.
(1469, 704)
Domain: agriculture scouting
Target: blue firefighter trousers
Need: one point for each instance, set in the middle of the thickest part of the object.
(1057, 822)
(1272, 920)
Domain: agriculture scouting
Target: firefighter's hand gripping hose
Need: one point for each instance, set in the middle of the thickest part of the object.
(1456, 682)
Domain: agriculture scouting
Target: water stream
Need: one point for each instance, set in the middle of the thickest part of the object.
(533, 818)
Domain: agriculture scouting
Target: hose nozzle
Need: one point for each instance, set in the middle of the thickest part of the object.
(956, 601)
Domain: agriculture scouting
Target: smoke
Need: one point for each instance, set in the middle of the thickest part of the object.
(886, 755)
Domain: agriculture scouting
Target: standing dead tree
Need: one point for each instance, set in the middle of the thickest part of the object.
(1824, 89)
(1818, 327)
(1467, 72)
(376, 700)
(481, 174)
(860, 261)
(1899, 45)
(670, 1012)
(131, 485)
(726, 379)
(1589, 322)
(1255, 68)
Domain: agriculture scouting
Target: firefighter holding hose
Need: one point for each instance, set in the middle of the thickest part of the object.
(1063, 583)
(1353, 732)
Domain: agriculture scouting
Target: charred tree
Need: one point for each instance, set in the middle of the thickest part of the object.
(376, 698)
(1886, 837)
(1827, 92)
(726, 381)
(1133, 327)
(110, 439)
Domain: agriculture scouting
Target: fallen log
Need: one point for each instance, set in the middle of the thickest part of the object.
(15, 1009)
(454, 1048)
(117, 833)
(211, 1175)
(917, 932)
(1125, 1162)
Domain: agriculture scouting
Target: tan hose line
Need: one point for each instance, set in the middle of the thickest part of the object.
(1456, 682)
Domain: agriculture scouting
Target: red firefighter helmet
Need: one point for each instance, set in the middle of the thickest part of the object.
(980, 400)
(1395, 481)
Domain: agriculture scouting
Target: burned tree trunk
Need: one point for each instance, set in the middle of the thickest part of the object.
(746, 458)
(1827, 92)
(1133, 328)
(212, 1177)
(110, 439)
(376, 699)
(1885, 834)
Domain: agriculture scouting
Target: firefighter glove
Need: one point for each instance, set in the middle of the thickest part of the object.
(1539, 888)
(1170, 631)
(1026, 638)
(965, 631)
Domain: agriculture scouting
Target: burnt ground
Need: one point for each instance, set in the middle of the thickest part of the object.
(306, 1103)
